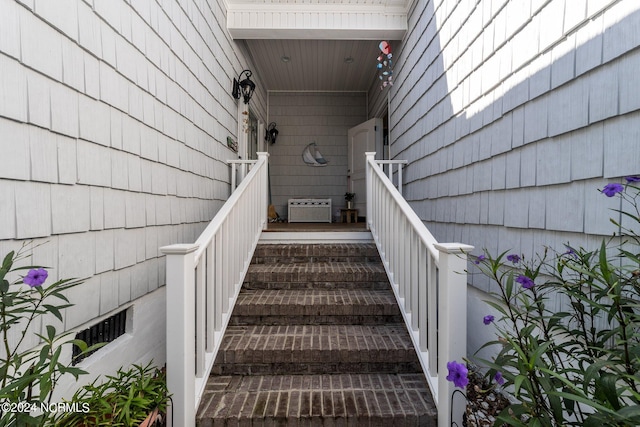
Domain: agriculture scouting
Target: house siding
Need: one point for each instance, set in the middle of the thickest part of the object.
(302, 118)
(512, 115)
(114, 118)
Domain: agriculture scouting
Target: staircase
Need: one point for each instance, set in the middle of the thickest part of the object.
(316, 339)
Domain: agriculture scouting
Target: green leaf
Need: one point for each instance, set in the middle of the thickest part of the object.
(585, 400)
(630, 413)
(51, 332)
(606, 385)
(53, 310)
(4, 284)
(517, 383)
(593, 421)
(533, 361)
(7, 262)
(509, 286)
(604, 264)
(8, 300)
(44, 354)
(80, 344)
(569, 403)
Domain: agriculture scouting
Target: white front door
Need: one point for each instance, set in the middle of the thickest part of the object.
(365, 137)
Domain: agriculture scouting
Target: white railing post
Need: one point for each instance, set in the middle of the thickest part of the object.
(369, 156)
(452, 324)
(245, 167)
(234, 178)
(389, 163)
(265, 189)
(180, 294)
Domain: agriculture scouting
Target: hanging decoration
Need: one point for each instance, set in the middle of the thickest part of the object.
(312, 157)
(385, 65)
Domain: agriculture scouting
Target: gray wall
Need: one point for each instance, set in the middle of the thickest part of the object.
(304, 117)
(522, 111)
(113, 124)
(513, 114)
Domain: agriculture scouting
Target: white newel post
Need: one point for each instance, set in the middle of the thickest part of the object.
(452, 324)
(180, 293)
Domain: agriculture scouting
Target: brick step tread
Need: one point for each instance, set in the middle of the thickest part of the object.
(316, 319)
(309, 344)
(330, 273)
(272, 282)
(324, 365)
(313, 259)
(320, 267)
(331, 400)
(341, 250)
(314, 302)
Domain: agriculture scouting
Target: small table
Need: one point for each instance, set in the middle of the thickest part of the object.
(346, 214)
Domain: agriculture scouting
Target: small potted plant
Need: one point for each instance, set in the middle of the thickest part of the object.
(349, 198)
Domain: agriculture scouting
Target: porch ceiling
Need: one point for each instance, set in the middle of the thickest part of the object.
(316, 45)
(315, 65)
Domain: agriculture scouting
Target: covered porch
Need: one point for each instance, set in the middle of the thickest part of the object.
(316, 75)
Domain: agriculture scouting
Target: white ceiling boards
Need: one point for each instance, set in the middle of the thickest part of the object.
(315, 19)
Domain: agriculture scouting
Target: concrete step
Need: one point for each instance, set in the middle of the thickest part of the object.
(317, 275)
(318, 400)
(315, 306)
(316, 349)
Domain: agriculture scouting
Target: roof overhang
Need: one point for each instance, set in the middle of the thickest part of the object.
(326, 20)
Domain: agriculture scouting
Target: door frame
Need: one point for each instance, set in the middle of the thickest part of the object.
(371, 130)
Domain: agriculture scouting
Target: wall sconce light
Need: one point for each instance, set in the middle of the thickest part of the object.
(244, 87)
(272, 133)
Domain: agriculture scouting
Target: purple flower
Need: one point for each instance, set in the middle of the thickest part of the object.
(488, 319)
(35, 277)
(457, 374)
(479, 259)
(570, 252)
(612, 189)
(525, 281)
(633, 179)
(499, 378)
(514, 258)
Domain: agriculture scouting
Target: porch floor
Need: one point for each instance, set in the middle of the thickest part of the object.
(316, 226)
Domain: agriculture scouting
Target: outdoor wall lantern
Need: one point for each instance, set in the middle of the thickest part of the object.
(244, 87)
(272, 133)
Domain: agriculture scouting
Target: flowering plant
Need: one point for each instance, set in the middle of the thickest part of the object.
(569, 328)
(569, 333)
(28, 377)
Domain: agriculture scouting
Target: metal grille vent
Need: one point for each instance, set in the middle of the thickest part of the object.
(104, 332)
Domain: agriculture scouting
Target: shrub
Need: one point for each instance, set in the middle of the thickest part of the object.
(125, 399)
(579, 366)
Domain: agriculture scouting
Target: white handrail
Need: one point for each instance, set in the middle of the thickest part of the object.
(429, 281)
(203, 282)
